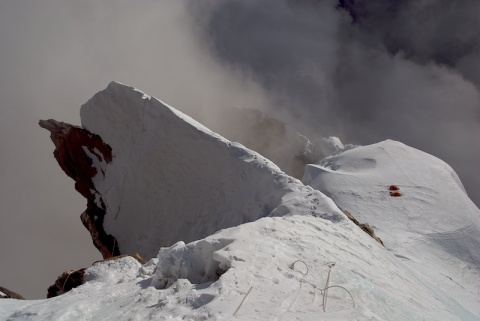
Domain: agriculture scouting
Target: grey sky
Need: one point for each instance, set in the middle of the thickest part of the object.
(308, 67)
(406, 70)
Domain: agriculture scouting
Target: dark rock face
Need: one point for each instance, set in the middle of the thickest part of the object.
(65, 282)
(74, 150)
(7, 294)
(70, 142)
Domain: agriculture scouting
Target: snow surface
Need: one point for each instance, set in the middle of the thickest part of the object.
(434, 228)
(275, 267)
(183, 180)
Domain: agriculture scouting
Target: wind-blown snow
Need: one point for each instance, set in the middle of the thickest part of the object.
(277, 266)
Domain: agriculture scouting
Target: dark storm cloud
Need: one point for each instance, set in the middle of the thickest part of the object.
(402, 70)
(443, 31)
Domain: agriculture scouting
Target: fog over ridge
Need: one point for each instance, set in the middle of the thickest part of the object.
(362, 70)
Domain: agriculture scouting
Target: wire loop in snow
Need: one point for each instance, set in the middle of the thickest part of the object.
(292, 266)
(243, 300)
(324, 290)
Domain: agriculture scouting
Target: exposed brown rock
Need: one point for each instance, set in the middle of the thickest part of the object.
(364, 226)
(92, 219)
(65, 282)
(74, 147)
(74, 278)
(70, 154)
(7, 294)
(136, 256)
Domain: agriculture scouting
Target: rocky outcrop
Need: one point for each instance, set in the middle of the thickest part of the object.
(65, 282)
(74, 278)
(80, 154)
(364, 226)
(7, 294)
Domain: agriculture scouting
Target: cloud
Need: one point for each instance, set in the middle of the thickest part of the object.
(441, 31)
(364, 72)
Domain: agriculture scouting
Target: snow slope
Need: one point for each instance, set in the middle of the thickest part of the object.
(277, 266)
(433, 227)
(173, 179)
(258, 260)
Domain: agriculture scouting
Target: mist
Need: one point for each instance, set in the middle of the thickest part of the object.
(363, 73)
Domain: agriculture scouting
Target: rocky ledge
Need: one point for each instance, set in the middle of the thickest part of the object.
(8, 294)
(74, 149)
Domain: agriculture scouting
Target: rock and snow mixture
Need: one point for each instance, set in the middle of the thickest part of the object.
(233, 238)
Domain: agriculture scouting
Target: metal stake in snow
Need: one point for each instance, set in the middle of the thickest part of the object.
(324, 290)
(330, 265)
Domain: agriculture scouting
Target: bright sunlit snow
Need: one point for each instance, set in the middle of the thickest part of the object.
(173, 180)
(432, 226)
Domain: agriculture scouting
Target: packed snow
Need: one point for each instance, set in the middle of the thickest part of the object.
(286, 250)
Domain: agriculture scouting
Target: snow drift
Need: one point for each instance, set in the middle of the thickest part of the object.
(278, 250)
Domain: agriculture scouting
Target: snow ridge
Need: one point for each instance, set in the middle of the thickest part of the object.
(172, 179)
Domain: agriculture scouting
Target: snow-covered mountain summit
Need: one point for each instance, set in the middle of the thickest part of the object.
(233, 237)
